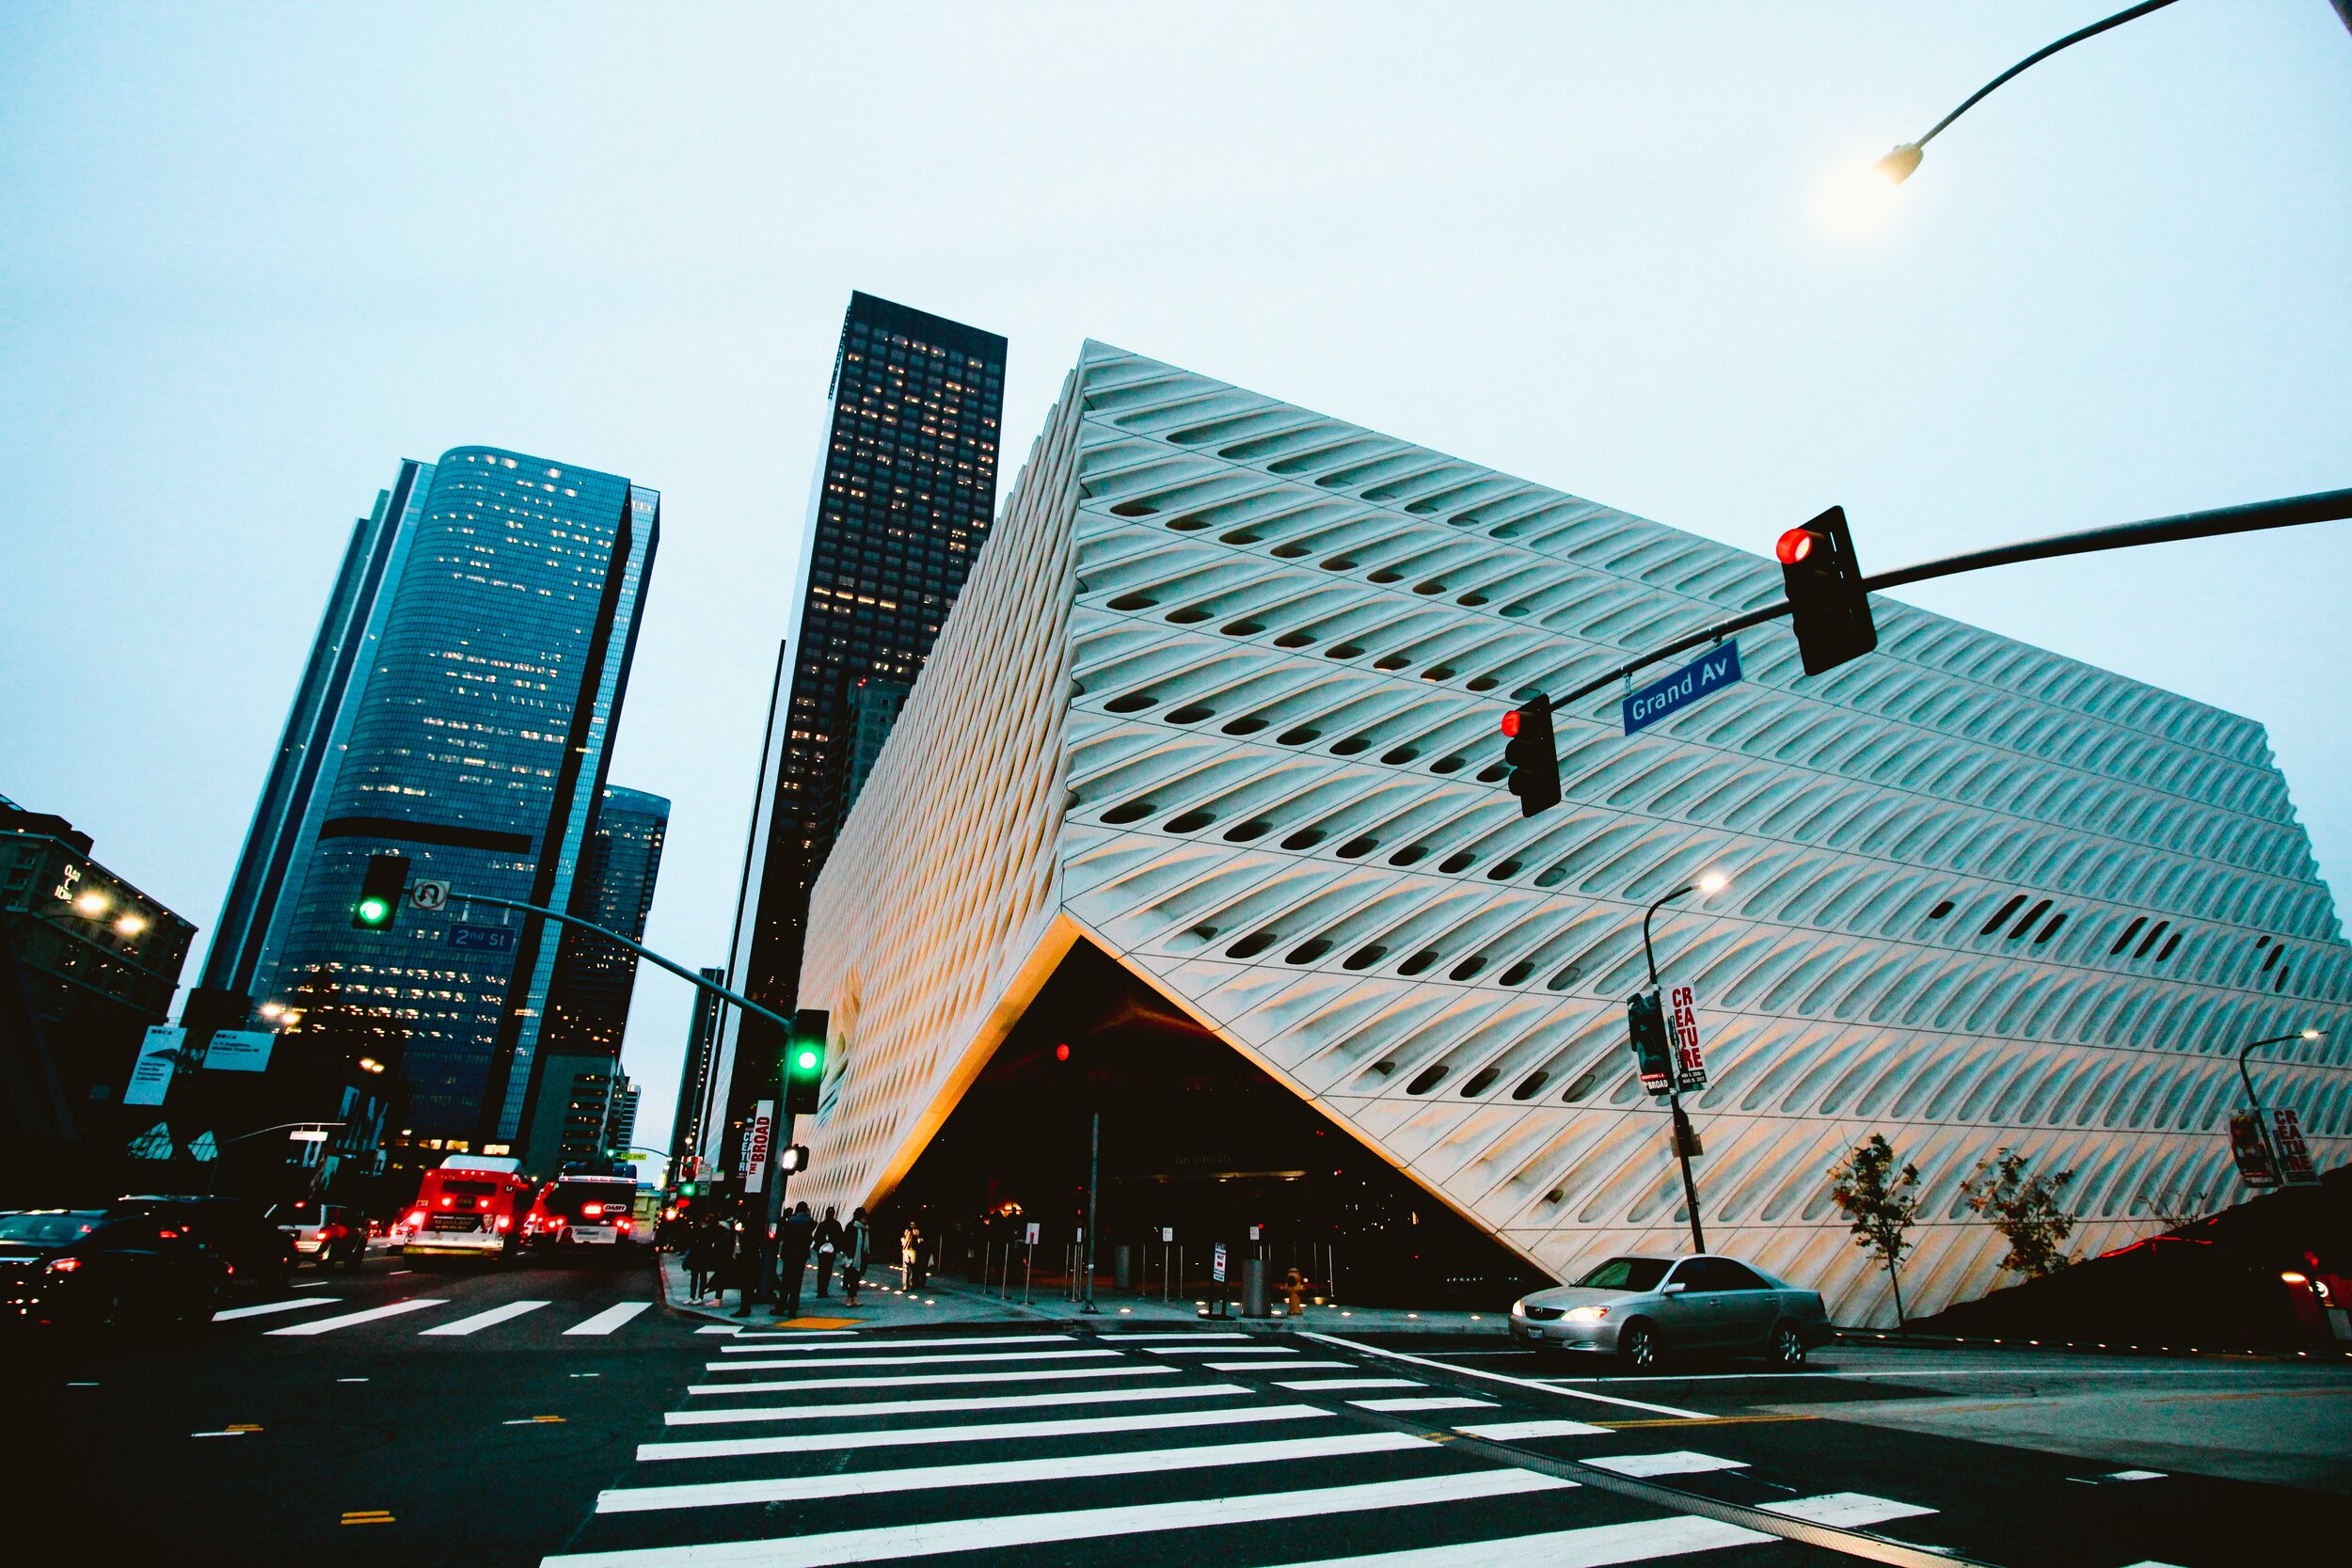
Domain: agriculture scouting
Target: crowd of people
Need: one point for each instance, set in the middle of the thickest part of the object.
(723, 1251)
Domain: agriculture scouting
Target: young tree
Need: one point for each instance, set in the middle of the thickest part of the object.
(1880, 1204)
(2025, 1209)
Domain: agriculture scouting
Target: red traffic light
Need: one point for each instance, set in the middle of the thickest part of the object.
(1061, 1052)
(1511, 724)
(1795, 546)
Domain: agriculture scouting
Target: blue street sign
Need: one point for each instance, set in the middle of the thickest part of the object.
(1670, 694)
(482, 939)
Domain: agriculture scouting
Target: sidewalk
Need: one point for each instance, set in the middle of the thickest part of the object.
(881, 1305)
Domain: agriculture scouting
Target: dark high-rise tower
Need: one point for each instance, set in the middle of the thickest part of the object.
(457, 709)
(693, 1080)
(901, 508)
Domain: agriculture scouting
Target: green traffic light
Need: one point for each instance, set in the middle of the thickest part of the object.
(374, 911)
(808, 1060)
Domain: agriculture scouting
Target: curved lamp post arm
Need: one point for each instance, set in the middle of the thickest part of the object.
(1649, 955)
(1899, 164)
(2247, 1078)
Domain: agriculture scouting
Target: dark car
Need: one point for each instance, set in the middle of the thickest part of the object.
(256, 1251)
(91, 1268)
(1639, 1309)
(327, 1234)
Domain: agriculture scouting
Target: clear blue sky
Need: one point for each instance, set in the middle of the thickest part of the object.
(250, 256)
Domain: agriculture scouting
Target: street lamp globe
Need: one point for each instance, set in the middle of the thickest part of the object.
(1713, 883)
(1897, 167)
(92, 903)
(2314, 1034)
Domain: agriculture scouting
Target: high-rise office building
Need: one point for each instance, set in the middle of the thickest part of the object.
(620, 1133)
(693, 1080)
(457, 709)
(898, 513)
(588, 1001)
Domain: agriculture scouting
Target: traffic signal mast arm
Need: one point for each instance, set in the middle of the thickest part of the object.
(2326, 506)
(639, 949)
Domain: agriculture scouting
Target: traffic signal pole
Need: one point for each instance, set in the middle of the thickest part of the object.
(2324, 507)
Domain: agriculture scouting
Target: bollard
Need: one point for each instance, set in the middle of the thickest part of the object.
(1256, 1302)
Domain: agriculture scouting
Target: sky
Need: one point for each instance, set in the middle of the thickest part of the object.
(252, 257)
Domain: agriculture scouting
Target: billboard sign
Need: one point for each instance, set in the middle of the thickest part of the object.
(2293, 1156)
(2251, 1150)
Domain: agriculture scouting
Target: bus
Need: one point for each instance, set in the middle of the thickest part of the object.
(473, 1205)
(575, 1214)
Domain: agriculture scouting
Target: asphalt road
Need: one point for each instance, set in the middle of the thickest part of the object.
(457, 1415)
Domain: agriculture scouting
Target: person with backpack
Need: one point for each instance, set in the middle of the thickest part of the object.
(827, 1243)
(857, 1238)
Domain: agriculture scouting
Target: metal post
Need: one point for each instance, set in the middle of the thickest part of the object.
(1674, 1095)
(1094, 1166)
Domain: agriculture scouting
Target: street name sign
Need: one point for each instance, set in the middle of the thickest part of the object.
(482, 939)
(1672, 693)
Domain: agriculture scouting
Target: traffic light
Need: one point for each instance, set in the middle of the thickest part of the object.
(804, 1062)
(1646, 1025)
(794, 1159)
(1827, 606)
(1530, 757)
(380, 892)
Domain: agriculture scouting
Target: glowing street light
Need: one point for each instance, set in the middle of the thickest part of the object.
(93, 904)
(131, 925)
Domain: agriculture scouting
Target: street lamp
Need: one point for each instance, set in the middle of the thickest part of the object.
(1862, 189)
(91, 904)
(2248, 1079)
(1705, 886)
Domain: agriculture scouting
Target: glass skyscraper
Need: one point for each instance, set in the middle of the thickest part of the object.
(457, 709)
(899, 512)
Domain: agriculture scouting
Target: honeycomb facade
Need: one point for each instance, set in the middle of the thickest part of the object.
(1222, 698)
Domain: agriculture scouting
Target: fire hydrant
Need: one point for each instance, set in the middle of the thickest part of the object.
(1294, 1293)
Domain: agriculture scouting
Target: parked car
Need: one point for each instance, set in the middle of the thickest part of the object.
(256, 1251)
(91, 1268)
(327, 1234)
(1641, 1308)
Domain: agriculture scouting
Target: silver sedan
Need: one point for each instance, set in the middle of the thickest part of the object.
(1638, 1309)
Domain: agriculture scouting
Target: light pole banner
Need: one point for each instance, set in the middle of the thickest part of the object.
(1690, 1062)
(159, 1057)
(755, 1141)
(239, 1050)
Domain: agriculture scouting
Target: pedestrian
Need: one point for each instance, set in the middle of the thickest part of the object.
(792, 1244)
(856, 1241)
(742, 1267)
(706, 1254)
(916, 1242)
(828, 1243)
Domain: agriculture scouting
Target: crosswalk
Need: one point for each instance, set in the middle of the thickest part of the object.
(797, 1452)
(600, 1324)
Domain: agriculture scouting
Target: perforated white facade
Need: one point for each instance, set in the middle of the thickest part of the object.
(1222, 696)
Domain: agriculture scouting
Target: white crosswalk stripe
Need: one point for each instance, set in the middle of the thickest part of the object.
(1679, 1463)
(1846, 1509)
(1433, 1401)
(1036, 1530)
(373, 1314)
(851, 1348)
(940, 1407)
(1512, 1432)
(481, 1320)
(1003, 1472)
(986, 1432)
(959, 1359)
(925, 1380)
(609, 1318)
(1588, 1547)
(267, 1308)
(1335, 1384)
(1277, 1366)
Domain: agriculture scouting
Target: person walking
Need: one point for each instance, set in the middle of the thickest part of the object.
(793, 1239)
(828, 1243)
(857, 1239)
(706, 1254)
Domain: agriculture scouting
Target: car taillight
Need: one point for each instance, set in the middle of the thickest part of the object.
(448, 1202)
(416, 1218)
(590, 1211)
(501, 1224)
(621, 1225)
(482, 1203)
(555, 1222)
(64, 1265)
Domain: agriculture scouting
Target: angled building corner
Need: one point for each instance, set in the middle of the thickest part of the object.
(1220, 700)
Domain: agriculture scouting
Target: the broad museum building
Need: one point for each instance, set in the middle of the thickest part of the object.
(1195, 825)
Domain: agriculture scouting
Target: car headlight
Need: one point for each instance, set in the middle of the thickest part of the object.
(1587, 1314)
(1518, 1310)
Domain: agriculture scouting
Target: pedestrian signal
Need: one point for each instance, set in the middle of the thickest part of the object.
(381, 889)
(1827, 607)
(1530, 757)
